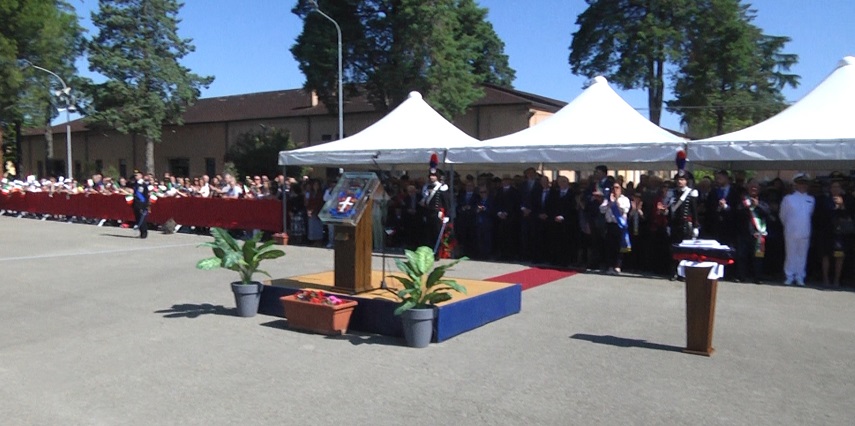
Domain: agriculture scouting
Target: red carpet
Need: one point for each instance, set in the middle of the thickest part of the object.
(533, 277)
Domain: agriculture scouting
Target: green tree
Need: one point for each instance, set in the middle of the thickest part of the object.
(442, 48)
(732, 74)
(138, 49)
(42, 32)
(257, 153)
(629, 42)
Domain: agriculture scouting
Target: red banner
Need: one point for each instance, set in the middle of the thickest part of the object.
(265, 215)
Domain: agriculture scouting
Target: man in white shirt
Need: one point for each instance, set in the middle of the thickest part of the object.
(205, 189)
(796, 211)
(233, 189)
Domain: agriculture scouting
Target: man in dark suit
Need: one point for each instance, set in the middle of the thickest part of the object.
(564, 223)
(507, 209)
(530, 185)
(720, 208)
(721, 212)
(540, 228)
(464, 223)
(411, 218)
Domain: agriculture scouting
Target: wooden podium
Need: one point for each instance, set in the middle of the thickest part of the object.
(349, 211)
(353, 245)
(700, 310)
(698, 258)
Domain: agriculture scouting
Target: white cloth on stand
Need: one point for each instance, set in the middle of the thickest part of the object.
(716, 272)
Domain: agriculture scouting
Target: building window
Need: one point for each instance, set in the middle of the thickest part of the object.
(210, 167)
(99, 166)
(123, 167)
(326, 138)
(179, 167)
(78, 169)
(40, 166)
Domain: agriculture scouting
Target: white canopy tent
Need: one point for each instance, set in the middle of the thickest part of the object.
(407, 136)
(815, 133)
(598, 127)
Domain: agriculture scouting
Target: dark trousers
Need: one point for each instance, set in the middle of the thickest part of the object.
(747, 264)
(433, 226)
(541, 243)
(612, 254)
(507, 238)
(140, 216)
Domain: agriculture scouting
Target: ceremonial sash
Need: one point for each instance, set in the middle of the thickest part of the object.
(679, 202)
(625, 245)
(759, 231)
(430, 195)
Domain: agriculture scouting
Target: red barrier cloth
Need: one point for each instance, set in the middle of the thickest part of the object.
(265, 215)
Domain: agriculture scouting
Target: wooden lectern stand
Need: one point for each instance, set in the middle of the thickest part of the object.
(700, 310)
(353, 246)
(349, 210)
(698, 258)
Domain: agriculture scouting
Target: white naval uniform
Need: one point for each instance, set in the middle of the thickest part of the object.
(796, 211)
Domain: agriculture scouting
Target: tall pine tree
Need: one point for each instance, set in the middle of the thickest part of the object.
(442, 48)
(732, 74)
(41, 32)
(728, 73)
(629, 42)
(138, 49)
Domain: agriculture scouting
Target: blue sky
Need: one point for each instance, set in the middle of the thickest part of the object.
(245, 43)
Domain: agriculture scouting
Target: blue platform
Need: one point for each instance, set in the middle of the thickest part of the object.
(486, 302)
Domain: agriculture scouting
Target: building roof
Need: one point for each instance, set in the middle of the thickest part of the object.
(298, 103)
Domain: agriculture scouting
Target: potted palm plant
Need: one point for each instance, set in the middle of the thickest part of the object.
(243, 259)
(424, 287)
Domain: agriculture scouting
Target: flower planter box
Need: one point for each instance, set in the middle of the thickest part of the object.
(317, 318)
(281, 238)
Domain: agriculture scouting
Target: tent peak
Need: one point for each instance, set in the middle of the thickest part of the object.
(847, 60)
(599, 79)
(414, 95)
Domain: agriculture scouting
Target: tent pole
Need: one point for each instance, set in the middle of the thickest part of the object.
(453, 213)
(284, 202)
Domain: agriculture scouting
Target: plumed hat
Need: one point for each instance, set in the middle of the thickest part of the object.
(434, 161)
(681, 166)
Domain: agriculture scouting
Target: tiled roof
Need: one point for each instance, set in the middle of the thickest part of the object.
(297, 103)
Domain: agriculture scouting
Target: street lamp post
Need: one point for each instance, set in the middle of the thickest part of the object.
(340, 90)
(67, 92)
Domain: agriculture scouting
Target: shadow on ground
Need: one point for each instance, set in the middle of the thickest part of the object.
(119, 236)
(190, 310)
(623, 342)
(355, 338)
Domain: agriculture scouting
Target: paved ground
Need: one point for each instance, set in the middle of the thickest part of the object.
(102, 328)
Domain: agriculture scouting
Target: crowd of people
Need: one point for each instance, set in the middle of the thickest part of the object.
(780, 232)
(223, 186)
(789, 232)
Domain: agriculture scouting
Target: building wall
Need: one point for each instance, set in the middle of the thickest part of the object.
(487, 122)
(196, 142)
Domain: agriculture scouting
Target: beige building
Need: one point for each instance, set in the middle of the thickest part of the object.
(212, 125)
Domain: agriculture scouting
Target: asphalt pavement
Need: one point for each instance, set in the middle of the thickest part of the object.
(102, 328)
